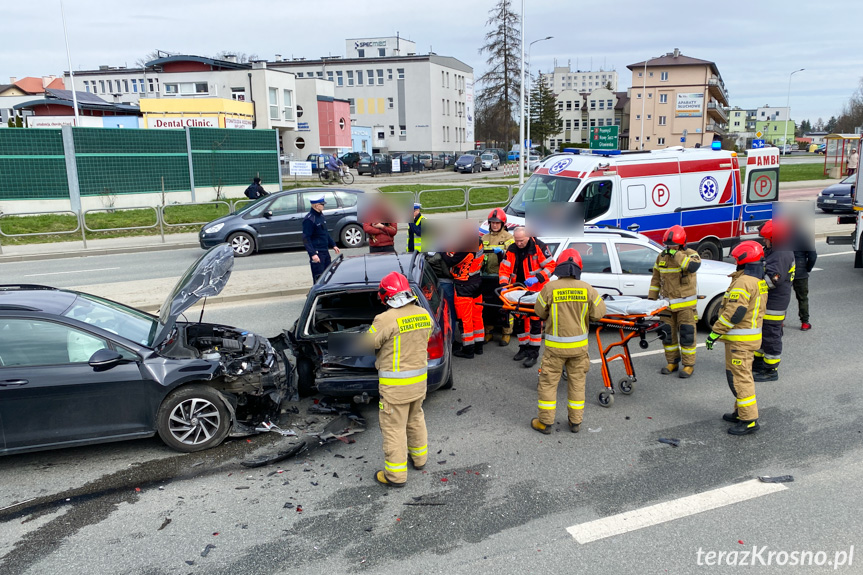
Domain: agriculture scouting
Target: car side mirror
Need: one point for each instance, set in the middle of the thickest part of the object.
(105, 359)
(268, 214)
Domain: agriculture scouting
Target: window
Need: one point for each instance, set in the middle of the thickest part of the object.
(575, 124)
(352, 105)
(638, 96)
(380, 77)
(594, 256)
(86, 86)
(576, 104)
(568, 105)
(287, 105)
(443, 107)
(151, 85)
(403, 130)
(442, 79)
(134, 87)
(359, 77)
(660, 141)
(285, 205)
(274, 103)
(649, 116)
(638, 116)
(389, 73)
(300, 74)
(602, 104)
(340, 79)
(401, 73)
(593, 104)
(600, 122)
(429, 288)
(361, 53)
(350, 77)
(447, 79)
(597, 199)
(663, 76)
(238, 94)
(560, 105)
(569, 124)
(381, 135)
(56, 344)
(330, 76)
(299, 111)
(102, 86)
(347, 200)
(663, 98)
(370, 74)
(447, 107)
(443, 132)
(636, 258)
(662, 120)
(126, 86)
(382, 52)
(172, 88)
(650, 95)
(390, 103)
(392, 130)
(329, 200)
(610, 104)
(593, 122)
(201, 88)
(636, 197)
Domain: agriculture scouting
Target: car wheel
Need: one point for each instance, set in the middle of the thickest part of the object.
(305, 377)
(351, 236)
(193, 418)
(242, 243)
(711, 312)
(709, 250)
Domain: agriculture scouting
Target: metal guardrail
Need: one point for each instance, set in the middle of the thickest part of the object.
(52, 233)
(473, 204)
(463, 204)
(166, 206)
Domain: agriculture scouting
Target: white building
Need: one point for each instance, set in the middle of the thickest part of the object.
(563, 78)
(771, 114)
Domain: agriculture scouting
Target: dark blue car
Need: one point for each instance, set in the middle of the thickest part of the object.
(837, 198)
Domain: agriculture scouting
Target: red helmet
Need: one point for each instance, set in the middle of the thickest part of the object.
(391, 284)
(675, 235)
(570, 255)
(773, 230)
(497, 215)
(747, 252)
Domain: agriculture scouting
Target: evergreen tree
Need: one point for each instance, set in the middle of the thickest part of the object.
(830, 126)
(499, 98)
(544, 116)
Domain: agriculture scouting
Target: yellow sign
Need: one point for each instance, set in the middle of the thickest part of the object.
(569, 294)
(758, 135)
(414, 322)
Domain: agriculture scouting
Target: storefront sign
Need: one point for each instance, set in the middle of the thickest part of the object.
(238, 123)
(397, 165)
(689, 105)
(183, 122)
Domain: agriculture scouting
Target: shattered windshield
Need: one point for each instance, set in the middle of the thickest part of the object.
(542, 189)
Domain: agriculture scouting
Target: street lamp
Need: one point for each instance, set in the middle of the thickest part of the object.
(643, 97)
(788, 110)
(528, 84)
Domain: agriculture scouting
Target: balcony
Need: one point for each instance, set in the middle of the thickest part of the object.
(717, 111)
(716, 129)
(716, 87)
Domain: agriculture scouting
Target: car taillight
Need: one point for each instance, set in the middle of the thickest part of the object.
(435, 347)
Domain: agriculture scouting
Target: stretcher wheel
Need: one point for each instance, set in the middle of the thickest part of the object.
(625, 385)
(606, 399)
(643, 344)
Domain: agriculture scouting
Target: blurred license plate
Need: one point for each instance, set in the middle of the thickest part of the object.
(829, 201)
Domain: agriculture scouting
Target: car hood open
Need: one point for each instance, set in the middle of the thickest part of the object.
(713, 267)
(204, 278)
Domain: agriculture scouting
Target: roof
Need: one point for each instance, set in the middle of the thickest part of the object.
(30, 85)
(369, 269)
(447, 61)
(622, 100)
(225, 64)
(86, 101)
(671, 60)
(42, 298)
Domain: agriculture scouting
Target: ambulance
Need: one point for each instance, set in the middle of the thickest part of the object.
(650, 191)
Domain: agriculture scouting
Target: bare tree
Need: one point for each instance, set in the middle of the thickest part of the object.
(241, 57)
(851, 117)
(501, 83)
(150, 56)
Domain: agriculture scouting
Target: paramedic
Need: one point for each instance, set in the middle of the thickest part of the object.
(674, 279)
(567, 304)
(779, 271)
(317, 239)
(401, 341)
(739, 326)
(465, 268)
(494, 244)
(527, 261)
(415, 231)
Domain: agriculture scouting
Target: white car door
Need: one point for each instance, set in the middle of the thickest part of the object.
(636, 262)
(599, 268)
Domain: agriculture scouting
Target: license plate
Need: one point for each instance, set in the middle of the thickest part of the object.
(829, 201)
(752, 229)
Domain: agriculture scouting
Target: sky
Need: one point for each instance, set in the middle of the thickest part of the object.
(755, 45)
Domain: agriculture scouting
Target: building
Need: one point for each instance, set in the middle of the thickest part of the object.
(166, 113)
(56, 108)
(581, 111)
(563, 78)
(413, 102)
(775, 125)
(677, 100)
(23, 90)
(741, 120)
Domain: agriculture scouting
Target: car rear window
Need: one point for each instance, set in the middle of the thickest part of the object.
(344, 311)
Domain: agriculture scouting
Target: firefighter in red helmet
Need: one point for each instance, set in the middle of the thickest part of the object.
(401, 335)
(739, 326)
(674, 280)
(494, 245)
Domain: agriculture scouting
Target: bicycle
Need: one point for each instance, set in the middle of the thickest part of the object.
(326, 176)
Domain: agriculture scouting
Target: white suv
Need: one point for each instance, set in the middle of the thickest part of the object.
(620, 259)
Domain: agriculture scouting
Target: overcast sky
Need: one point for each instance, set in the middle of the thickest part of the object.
(756, 44)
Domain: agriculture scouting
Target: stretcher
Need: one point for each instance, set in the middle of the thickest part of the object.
(630, 316)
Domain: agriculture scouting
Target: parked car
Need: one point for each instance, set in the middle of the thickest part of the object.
(500, 153)
(352, 159)
(620, 259)
(837, 198)
(409, 162)
(342, 306)
(276, 221)
(513, 156)
(319, 161)
(77, 369)
(468, 163)
(533, 163)
(473, 152)
(376, 164)
(784, 148)
(430, 162)
(490, 162)
(821, 149)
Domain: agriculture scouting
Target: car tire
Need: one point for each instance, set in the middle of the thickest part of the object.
(711, 312)
(305, 377)
(448, 381)
(193, 418)
(709, 250)
(352, 236)
(242, 244)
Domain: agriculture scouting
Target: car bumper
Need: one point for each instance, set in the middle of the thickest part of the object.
(464, 168)
(208, 241)
(838, 204)
(347, 383)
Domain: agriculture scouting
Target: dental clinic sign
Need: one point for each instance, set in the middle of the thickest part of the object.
(183, 122)
(689, 105)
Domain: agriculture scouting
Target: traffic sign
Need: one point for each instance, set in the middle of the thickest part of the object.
(604, 138)
(757, 144)
(758, 134)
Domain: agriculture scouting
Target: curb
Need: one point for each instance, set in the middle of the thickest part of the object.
(96, 252)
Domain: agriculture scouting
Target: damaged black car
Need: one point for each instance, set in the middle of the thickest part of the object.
(76, 369)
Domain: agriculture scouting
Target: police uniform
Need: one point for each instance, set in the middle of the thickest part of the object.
(779, 268)
(317, 240)
(415, 232)
(674, 279)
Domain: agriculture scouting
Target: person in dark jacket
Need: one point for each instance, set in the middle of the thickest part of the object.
(317, 239)
(255, 191)
(804, 261)
(779, 268)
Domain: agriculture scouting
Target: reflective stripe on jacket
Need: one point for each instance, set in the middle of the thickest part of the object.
(533, 261)
(401, 339)
(672, 280)
(567, 305)
(751, 293)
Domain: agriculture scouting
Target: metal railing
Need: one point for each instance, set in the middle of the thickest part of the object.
(180, 225)
(463, 204)
(51, 233)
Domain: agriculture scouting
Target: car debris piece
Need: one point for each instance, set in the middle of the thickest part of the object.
(164, 523)
(776, 479)
(207, 549)
(329, 405)
(670, 441)
(338, 428)
(266, 426)
(463, 410)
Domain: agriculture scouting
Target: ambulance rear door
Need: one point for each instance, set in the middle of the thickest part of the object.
(760, 190)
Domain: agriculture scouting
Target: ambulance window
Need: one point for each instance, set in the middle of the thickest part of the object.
(635, 258)
(636, 197)
(594, 256)
(544, 189)
(762, 186)
(597, 199)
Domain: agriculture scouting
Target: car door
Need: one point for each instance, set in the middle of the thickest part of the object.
(598, 267)
(636, 263)
(51, 396)
(280, 223)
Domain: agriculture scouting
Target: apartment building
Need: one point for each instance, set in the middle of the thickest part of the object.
(563, 78)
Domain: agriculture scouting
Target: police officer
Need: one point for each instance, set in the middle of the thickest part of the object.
(494, 244)
(317, 239)
(565, 304)
(674, 279)
(779, 268)
(415, 231)
(401, 337)
(739, 326)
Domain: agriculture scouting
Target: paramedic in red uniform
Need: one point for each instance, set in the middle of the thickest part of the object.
(465, 267)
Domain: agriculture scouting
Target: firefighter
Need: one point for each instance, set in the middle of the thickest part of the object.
(465, 268)
(674, 279)
(779, 268)
(739, 326)
(527, 261)
(567, 304)
(415, 231)
(401, 335)
(494, 244)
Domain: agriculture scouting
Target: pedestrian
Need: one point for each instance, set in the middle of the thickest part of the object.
(567, 304)
(527, 261)
(852, 162)
(494, 244)
(401, 335)
(674, 279)
(465, 269)
(255, 190)
(415, 231)
(779, 268)
(739, 327)
(317, 239)
(804, 260)
(380, 236)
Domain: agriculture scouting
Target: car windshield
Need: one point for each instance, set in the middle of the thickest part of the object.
(466, 159)
(850, 179)
(542, 189)
(126, 322)
(487, 157)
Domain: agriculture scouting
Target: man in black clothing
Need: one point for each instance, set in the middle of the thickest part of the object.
(804, 261)
(317, 239)
(255, 191)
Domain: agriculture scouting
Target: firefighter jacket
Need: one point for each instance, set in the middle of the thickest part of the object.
(674, 278)
(533, 261)
(464, 268)
(742, 312)
(779, 269)
(491, 264)
(401, 342)
(568, 305)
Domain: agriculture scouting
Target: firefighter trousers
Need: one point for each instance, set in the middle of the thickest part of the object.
(469, 312)
(529, 330)
(738, 372)
(682, 342)
(403, 427)
(771, 343)
(549, 377)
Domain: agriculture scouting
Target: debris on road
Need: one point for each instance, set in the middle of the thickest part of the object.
(267, 426)
(776, 479)
(597, 430)
(164, 523)
(328, 406)
(463, 410)
(337, 429)
(670, 441)
(207, 549)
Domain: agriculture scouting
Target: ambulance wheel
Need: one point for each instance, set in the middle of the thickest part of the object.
(625, 385)
(709, 250)
(606, 399)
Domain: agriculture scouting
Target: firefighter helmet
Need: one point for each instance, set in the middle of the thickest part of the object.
(566, 263)
(747, 252)
(497, 215)
(675, 236)
(773, 230)
(393, 283)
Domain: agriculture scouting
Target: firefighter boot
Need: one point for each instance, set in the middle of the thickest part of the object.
(381, 478)
(532, 356)
(768, 374)
(478, 347)
(686, 371)
(730, 417)
(488, 335)
(670, 368)
(758, 364)
(466, 352)
(744, 427)
(574, 427)
(504, 340)
(522, 353)
(541, 427)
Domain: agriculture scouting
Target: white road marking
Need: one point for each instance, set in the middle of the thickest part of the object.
(641, 353)
(70, 272)
(835, 254)
(671, 510)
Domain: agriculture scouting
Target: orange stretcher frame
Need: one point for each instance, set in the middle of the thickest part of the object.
(629, 326)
